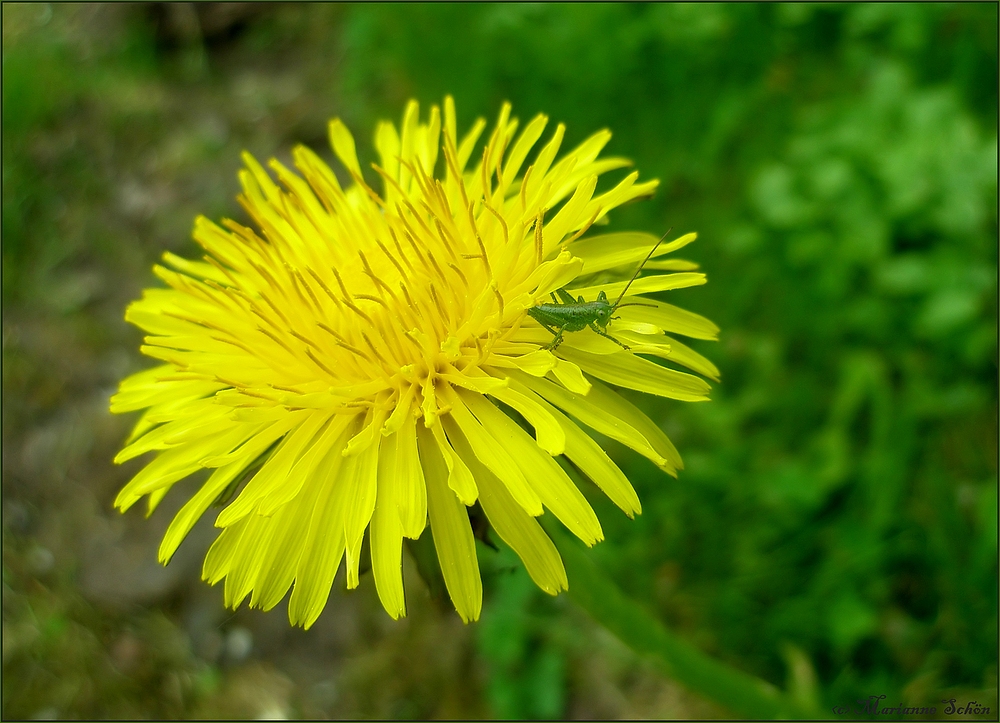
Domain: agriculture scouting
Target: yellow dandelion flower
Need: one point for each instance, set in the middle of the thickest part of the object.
(360, 361)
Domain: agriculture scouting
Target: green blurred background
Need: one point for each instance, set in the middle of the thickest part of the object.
(835, 530)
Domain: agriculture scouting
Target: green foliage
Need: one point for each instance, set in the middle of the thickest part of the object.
(744, 695)
(522, 641)
(37, 84)
(839, 163)
(44, 163)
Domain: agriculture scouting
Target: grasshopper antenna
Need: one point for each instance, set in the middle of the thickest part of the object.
(636, 274)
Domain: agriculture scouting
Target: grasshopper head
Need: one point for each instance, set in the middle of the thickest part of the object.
(603, 310)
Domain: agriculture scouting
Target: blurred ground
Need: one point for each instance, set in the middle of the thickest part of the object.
(835, 530)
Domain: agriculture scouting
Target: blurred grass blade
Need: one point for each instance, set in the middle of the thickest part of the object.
(743, 694)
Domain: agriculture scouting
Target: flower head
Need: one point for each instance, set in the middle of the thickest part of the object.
(367, 361)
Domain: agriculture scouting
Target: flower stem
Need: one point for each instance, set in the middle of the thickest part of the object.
(743, 694)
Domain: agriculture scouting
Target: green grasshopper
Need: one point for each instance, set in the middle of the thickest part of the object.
(576, 315)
